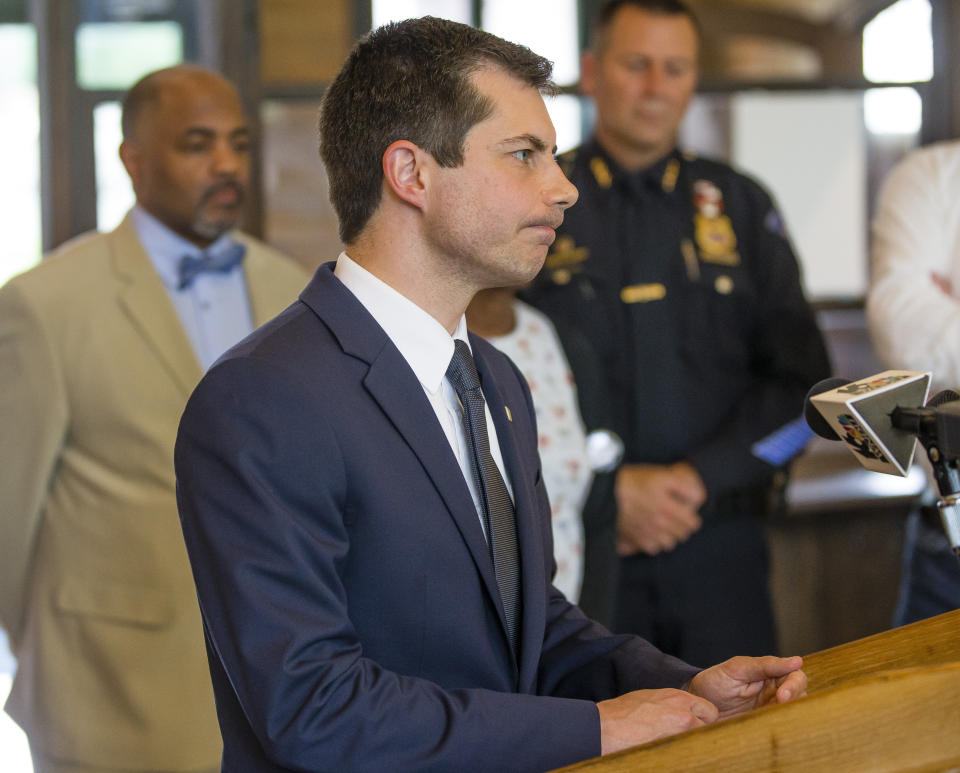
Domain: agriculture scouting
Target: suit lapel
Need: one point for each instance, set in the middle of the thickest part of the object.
(268, 297)
(395, 388)
(506, 414)
(144, 300)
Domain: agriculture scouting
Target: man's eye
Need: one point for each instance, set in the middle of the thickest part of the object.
(523, 155)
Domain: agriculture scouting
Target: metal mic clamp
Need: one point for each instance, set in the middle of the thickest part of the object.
(949, 508)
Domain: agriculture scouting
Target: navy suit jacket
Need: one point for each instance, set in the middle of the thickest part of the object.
(347, 591)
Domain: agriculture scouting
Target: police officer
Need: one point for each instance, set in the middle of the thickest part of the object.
(679, 272)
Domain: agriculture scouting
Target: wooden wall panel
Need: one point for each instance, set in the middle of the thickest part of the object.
(304, 42)
(299, 218)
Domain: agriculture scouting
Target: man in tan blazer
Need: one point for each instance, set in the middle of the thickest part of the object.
(100, 346)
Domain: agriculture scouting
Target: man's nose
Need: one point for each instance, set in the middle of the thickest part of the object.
(655, 81)
(227, 160)
(560, 192)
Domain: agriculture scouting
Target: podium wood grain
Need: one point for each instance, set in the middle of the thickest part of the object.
(925, 643)
(858, 716)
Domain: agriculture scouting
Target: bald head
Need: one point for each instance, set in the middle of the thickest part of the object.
(186, 149)
(148, 94)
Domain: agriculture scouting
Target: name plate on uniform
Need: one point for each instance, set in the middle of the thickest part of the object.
(643, 293)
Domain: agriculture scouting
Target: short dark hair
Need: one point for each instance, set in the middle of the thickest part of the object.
(409, 80)
(608, 10)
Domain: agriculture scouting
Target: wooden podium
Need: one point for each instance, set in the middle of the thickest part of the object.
(890, 702)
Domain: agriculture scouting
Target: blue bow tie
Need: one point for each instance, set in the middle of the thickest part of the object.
(222, 263)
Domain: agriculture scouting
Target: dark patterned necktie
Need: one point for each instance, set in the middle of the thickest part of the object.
(498, 512)
(190, 267)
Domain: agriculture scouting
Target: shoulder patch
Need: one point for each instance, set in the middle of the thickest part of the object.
(774, 223)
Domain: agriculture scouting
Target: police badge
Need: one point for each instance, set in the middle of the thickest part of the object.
(713, 230)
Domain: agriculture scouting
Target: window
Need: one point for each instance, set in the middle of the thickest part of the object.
(141, 46)
(897, 48)
(548, 27)
(19, 150)
(384, 11)
(114, 191)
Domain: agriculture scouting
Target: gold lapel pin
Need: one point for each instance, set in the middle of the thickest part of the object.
(509, 415)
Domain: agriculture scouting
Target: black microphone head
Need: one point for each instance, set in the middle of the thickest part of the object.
(814, 418)
(946, 396)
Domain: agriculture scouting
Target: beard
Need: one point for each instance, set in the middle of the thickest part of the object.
(212, 220)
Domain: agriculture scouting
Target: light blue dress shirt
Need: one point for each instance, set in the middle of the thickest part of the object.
(215, 309)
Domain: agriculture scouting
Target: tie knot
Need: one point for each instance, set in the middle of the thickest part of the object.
(223, 262)
(462, 371)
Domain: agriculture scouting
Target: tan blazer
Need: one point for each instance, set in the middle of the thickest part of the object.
(95, 589)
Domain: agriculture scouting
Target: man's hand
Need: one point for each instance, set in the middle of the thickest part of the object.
(741, 684)
(942, 282)
(657, 506)
(646, 715)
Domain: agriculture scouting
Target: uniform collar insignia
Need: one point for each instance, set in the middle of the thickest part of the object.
(670, 174)
(601, 172)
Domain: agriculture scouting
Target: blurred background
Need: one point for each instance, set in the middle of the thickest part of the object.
(817, 98)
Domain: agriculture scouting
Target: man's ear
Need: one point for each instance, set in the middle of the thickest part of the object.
(130, 156)
(404, 173)
(588, 64)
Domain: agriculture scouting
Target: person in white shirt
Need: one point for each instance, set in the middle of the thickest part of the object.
(913, 310)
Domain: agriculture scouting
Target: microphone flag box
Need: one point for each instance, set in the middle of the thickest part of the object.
(859, 412)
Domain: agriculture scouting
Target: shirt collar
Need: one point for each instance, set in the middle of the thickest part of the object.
(424, 343)
(165, 248)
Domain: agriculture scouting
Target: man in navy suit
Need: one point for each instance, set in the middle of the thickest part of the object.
(354, 611)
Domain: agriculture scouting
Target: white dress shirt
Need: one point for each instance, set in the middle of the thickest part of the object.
(915, 324)
(428, 348)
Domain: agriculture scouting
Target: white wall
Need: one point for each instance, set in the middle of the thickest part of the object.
(809, 150)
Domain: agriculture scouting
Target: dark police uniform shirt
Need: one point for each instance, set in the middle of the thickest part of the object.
(683, 279)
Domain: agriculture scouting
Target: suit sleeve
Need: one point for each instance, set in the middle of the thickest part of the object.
(914, 323)
(263, 515)
(787, 356)
(33, 415)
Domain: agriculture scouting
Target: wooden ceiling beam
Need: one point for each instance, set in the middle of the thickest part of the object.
(723, 19)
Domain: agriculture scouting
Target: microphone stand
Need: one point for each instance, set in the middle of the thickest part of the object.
(937, 427)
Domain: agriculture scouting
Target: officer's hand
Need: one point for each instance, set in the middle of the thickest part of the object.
(646, 715)
(657, 506)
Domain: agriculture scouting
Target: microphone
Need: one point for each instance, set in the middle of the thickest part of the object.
(881, 417)
(815, 419)
(860, 413)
